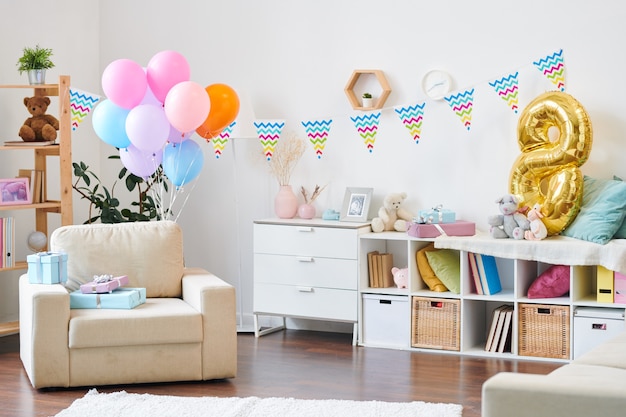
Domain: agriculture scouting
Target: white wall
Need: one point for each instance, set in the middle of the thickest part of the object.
(71, 29)
(293, 59)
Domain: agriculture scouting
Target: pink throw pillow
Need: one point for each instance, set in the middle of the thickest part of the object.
(554, 282)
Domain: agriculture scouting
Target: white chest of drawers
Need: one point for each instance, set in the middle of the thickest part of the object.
(306, 269)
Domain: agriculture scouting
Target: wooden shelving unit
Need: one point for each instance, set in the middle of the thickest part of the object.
(63, 150)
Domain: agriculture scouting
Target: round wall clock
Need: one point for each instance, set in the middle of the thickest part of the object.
(436, 84)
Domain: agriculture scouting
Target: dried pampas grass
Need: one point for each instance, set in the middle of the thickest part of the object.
(285, 158)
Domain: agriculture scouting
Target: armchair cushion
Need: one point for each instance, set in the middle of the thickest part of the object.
(158, 321)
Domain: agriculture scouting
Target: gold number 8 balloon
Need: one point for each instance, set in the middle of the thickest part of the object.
(547, 171)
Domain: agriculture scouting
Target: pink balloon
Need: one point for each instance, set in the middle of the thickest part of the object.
(165, 70)
(187, 106)
(124, 82)
(147, 127)
(177, 137)
(141, 163)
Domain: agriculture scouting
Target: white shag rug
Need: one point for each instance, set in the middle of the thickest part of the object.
(123, 404)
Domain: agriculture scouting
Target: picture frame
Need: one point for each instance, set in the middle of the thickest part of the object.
(14, 191)
(356, 204)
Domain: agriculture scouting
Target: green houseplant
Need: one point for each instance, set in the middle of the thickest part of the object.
(367, 100)
(35, 61)
(105, 207)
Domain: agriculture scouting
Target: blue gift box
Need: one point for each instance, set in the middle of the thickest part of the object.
(120, 298)
(47, 268)
(436, 215)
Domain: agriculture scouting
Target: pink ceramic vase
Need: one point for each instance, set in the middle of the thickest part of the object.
(306, 211)
(286, 203)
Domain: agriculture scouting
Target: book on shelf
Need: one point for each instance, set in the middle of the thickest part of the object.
(372, 271)
(505, 337)
(22, 143)
(386, 262)
(496, 330)
(489, 276)
(379, 269)
(495, 316)
(474, 271)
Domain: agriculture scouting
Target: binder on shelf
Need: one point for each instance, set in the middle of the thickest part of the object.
(605, 284)
(8, 242)
(489, 276)
(474, 271)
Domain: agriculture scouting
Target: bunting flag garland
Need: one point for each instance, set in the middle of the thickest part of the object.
(269, 132)
(367, 126)
(219, 142)
(553, 68)
(81, 104)
(462, 104)
(317, 131)
(507, 89)
(412, 118)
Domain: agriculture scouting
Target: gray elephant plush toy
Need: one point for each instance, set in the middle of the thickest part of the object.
(512, 223)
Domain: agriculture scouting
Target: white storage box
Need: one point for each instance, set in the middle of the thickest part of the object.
(593, 326)
(386, 320)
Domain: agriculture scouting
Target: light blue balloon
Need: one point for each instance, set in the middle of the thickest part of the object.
(182, 162)
(109, 123)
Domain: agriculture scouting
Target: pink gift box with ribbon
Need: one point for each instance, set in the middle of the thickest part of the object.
(103, 285)
(458, 228)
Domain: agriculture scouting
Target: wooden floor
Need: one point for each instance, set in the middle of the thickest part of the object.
(299, 364)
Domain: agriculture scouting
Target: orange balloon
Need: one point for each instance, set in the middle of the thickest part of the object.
(224, 110)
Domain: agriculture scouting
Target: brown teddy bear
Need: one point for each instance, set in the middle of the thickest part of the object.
(41, 126)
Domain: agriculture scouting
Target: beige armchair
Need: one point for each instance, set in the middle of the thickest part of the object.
(185, 331)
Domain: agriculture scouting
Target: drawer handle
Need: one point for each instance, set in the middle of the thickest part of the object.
(305, 289)
(304, 258)
(598, 326)
(304, 229)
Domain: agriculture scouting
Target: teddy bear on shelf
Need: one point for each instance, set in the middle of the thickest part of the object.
(391, 216)
(41, 126)
(400, 276)
(537, 229)
(511, 223)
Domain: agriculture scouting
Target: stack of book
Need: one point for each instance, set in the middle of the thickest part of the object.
(484, 271)
(499, 338)
(7, 244)
(35, 180)
(379, 267)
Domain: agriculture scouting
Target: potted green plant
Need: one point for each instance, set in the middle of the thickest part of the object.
(368, 101)
(35, 61)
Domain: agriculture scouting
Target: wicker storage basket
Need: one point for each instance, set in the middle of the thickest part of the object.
(544, 331)
(435, 323)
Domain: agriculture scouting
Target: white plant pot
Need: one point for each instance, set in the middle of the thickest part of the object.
(368, 102)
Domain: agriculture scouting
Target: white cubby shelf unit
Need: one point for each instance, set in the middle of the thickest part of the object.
(519, 264)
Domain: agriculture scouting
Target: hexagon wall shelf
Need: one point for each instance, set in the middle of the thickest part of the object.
(382, 81)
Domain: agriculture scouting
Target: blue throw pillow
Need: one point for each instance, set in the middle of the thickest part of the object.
(602, 211)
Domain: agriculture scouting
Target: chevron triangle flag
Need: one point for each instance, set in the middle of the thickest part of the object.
(367, 126)
(553, 67)
(81, 104)
(462, 104)
(219, 142)
(269, 132)
(507, 88)
(412, 118)
(317, 132)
